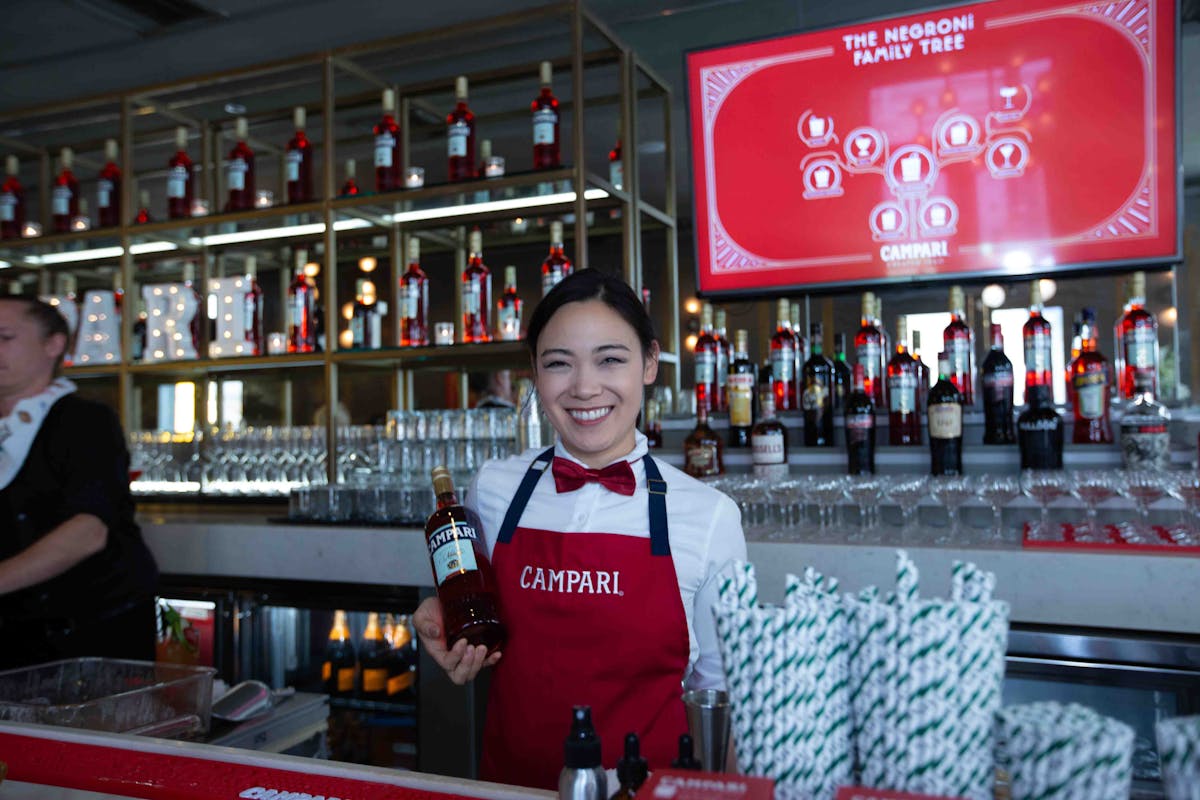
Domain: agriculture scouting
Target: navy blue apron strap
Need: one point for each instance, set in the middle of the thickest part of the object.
(517, 507)
(656, 488)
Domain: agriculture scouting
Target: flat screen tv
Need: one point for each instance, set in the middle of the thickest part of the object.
(1005, 138)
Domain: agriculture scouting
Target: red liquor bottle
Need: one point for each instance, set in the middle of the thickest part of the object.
(239, 170)
(996, 377)
(460, 136)
(546, 150)
(924, 378)
(302, 309)
(783, 360)
(414, 299)
(1076, 349)
(142, 216)
(802, 351)
(868, 349)
(64, 198)
(389, 161)
(508, 309)
(299, 161)
(180, 192)
(1036, 337)
(1138, 343)
(724, 358)
(350, 187)
(959, 345)
(12, 201)
(252, 309)
(1089, 377)
(705, 353)
(556, 266)
(476, 293)
(108, 189)
(616, 166)
(904, 416)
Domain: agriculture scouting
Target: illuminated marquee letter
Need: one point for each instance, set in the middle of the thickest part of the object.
(99, 339)
(170, 309)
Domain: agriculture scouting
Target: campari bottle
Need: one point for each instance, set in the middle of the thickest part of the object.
(843, 380)
(302, 309)
(768, 442)
(783, 360)
(945, 422)
(460, 136)
(414, 299)
(1138, 341)
(741, 385)
(1040, 431)
(180, 183)
(816, 398)
(556, 266)
(508, 308)
(476, 293)
(239, 170)
(108, 188)
(64, 197)
(724, 358)
(1089, 381)
(544, 109)
(252, 306)
(702, 451)
(705, 354)
(860, 427)
(997, 379)
(12, 201)
(299, 161)
(350, 187)
(904, 417)
(868, 350)
(1036, 337)
(389, 160)
(959, 344)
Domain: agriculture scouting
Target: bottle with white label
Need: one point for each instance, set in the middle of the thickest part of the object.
(783, 359)
(298, 161)
(724, 358)
(768, 441)
(252, 303)
(366, 323)
(476, 293)
(508, 308)
(64, 197)
(556, 266)
(239, 170)
(12, 201)
(868, 351)
(414, 299)
(1035, 335)
(945, 422)
(616, 166)
(1138, 342)
(544, 112)
(460, 136)
(108, 188)
(1090, 375)
(389, 161)
(180, 193)
(959, 343)
(704, 353)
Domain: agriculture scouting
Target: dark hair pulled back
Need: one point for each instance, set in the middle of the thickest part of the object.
(593, 284)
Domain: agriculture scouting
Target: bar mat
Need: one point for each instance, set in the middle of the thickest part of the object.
(1070, 538)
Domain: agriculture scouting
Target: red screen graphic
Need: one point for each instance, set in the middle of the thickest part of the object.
(1004, 138)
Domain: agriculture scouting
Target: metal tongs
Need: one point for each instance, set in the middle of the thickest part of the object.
(247, 700)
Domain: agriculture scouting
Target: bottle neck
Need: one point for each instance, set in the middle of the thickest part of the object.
(447, 499)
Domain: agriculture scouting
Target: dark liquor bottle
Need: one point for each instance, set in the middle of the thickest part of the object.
(868, 350)
(1138, 342)
(1036, 337)
(544, 109)
(12, 201)
(860, 427)
(702, 449)
(508, 309)
(137, 348)
(350, 187)
(302, 309)
(462, 573)
(1089, 381)
(108, 189)
(180, 189)
(252, 309)
(653, 426)
(724, 358)
(783, 360)
(741, 391)
(556, 266)
(239, 171)
(142, 217)
(904, 416)
(958, 341)
(1040, 431)
(366, 323)
(1145, 434)
(997, 379)
(817, 397)
(299, 161)
(64, 197)
(1076, 349)
(373, 658)
(843, 380)
(460, 136)
(802, 345)
(768, 442)
(476, 293)
(401, 658)
(338, 670)
(414, 299)
(924, 382)
(389, 158)
(885, 350)
(945, 422)
(632, 769)
(705, 353)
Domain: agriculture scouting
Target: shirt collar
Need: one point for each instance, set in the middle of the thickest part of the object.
(640, 448)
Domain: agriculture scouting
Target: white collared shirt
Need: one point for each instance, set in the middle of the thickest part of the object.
(705, 529)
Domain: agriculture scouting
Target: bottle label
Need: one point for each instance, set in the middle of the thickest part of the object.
(385, 144)
(452, 550)
(345, 679)
(814, 397)
(702, 460)
(250, 316)
(508, 322)
(410, 301)
(997, 383)
(859, 428)
(293, 159)
(783, 363)
(869, 355)
(374, 679)
(902, 393)
(770, 472)
(741, 395)
(1145, 446)
(1037, 352)
(456, 138)
(616, 174)
(551, 279)
(706, 367)
(768, 447)
(544, 120)
(1139, 348)
(358, 329)
(8, 207)
(959, 351)
(399, 683)
(945, 421)
(299, 308)
(177, 183)
(235, 174)
(722, 367)
(471, 291)
(1091, 390)
(61, 200)
(104, 189)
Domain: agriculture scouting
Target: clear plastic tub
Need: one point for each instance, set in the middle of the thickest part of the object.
(107, 694)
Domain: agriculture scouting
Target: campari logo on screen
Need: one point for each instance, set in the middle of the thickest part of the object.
(1010, 137)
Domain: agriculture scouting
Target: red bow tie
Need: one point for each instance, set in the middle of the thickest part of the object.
(569, 476)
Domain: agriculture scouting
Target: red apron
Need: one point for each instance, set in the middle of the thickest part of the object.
(593, 619)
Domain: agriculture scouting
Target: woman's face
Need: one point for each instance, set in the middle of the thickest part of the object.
(590, 372)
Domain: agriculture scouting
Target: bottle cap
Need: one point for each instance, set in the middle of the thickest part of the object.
(719, 319)
(389, 101)
(902, 330)
(556, 232)
(879, 308)
(957, 299)
(706, 315)
(241, 128)
(784, 310)
(351, 167)
(816, 332)
(741, 341)
(144, 198)
(997, 335)
(189, 271)
(12, 165)
(1035, 294)
(67, 158)
(868, 304)
(110, 149)
(581, 750)
(795, 315)
(251, 266)
(475, 243)
(443, 482)
(546, 72)
(460, 87)
(687, 757)
(414, 249)
(510, 276)
(181, 138)
(632, 769)
(916, 337)
(299, 117)
(485, 149)
(1137, 286)
(301, 259)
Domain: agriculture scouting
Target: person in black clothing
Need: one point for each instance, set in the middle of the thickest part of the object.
(76, 579)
